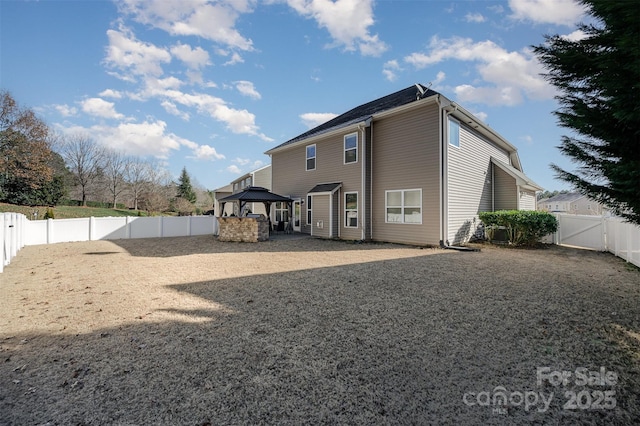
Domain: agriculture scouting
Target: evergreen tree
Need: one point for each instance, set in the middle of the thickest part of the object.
(598, 77)
(185, 190)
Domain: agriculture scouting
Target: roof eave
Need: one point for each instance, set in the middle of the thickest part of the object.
(365, 122)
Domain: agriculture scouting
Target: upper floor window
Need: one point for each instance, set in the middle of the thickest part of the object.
(311, 157)
(235, 186)
(351, 148)
(351, 209)
(454, 132)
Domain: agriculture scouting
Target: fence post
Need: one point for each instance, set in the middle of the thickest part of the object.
(92, 228)
(49, 231)
(13, 232)
(2, 241)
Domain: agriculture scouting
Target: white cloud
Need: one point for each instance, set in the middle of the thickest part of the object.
(234, 169)
(110, 93)
(247, 89)
(172, 109)
(213, 21)
(149, 138)
(235, 59)
(390, 70)
(440, 77)
(206, 152)
(508, 75)
(474, 17)
(527, 139)
(313, 119)
(560, 12)
(193, 58)
(131, 56)
(237, 121)
(242, 161)
(347, 21)
(66, 110)
(577, 35)
(481, 115)
(100, 108)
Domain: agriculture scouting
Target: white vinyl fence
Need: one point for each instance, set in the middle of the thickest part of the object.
(18, 231)
(600, 233)
(12, 227)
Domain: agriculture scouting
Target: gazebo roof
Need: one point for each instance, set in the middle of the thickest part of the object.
(255, 194)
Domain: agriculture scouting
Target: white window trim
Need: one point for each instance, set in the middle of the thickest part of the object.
(402, 206)
(344, 148)
(315, 160)
(451, 119)
(346, 222)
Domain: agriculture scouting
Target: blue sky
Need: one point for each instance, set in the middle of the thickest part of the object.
(212, 85)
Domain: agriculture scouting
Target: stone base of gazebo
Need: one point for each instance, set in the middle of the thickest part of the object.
(243, 229)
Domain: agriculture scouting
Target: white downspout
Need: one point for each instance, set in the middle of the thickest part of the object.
(362, 182)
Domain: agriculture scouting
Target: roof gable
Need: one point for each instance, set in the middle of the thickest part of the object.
(364, 111)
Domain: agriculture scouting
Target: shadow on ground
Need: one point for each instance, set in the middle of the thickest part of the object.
(341, 345)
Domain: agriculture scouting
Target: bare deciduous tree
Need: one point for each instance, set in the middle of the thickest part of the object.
(137, 176)
(115, 164)
(159, 191)
(84, 158)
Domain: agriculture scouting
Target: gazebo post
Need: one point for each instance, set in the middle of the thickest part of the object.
(267, 208)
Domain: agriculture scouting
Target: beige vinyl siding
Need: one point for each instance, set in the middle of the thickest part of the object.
(321, 218)
(527, 200)
(290, 177)
(505, 190)
(469, 183)
(262, 178)
(405, 155)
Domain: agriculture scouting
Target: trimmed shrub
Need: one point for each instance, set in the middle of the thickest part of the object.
(49, 214)
(523, 227)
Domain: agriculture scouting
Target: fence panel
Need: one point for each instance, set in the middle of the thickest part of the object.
(12, 236)
(600, 233)
(16, 230)
(68, 230)
(36, 232)
(109, 228)
(203, 225)
(582, 231)
(175, 226)
(145, 227)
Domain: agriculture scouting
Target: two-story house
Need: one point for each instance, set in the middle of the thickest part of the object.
(572, 203)
(259, 177)
(411, 167)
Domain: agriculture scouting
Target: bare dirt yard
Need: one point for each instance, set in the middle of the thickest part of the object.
(303, 331)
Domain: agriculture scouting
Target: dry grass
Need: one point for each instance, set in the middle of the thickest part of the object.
(194, 331)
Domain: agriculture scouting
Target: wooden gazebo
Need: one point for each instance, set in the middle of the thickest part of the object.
(256, 194)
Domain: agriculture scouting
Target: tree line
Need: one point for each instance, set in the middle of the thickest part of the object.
(41, 167)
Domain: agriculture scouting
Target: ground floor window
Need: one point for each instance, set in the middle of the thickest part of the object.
(403, 206)
(351, 209)
(309, 198)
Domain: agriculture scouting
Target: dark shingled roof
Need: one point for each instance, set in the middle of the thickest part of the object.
(255, 194)
(364, 111)
(325, 187)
